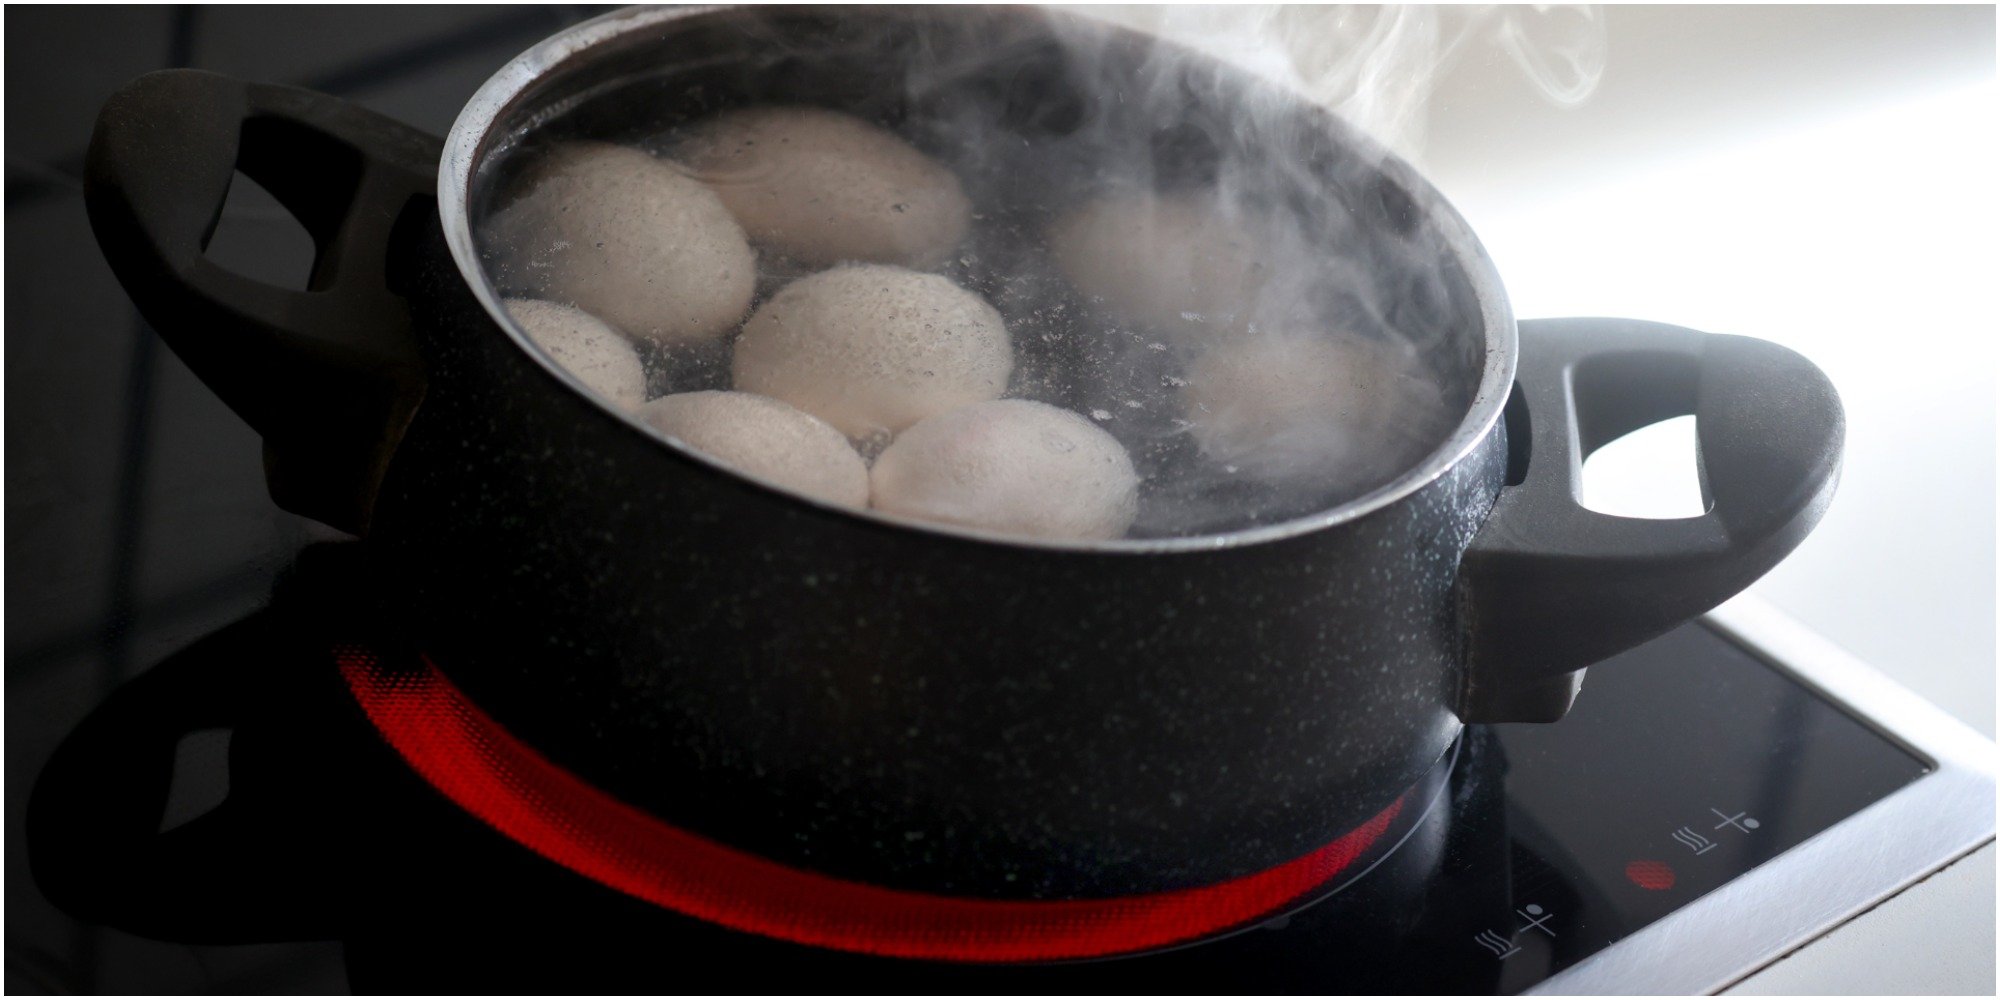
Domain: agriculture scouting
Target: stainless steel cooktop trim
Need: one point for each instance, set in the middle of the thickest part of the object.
(1765, 914)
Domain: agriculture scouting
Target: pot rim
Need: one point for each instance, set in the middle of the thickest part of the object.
(468, 137)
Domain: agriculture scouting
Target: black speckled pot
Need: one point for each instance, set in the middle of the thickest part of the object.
(910, 705)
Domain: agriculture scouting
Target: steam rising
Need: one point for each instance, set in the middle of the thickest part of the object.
(1046, 117)
(1378, 66)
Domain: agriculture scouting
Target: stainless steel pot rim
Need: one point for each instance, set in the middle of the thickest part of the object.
(467, 141)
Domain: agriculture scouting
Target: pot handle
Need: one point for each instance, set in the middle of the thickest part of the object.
(330, 375)
(1549, 587)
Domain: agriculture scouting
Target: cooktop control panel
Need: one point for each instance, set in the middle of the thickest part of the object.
(1690, 763)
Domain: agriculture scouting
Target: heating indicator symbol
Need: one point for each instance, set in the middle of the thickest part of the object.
(1694, 841)
(1499, 946)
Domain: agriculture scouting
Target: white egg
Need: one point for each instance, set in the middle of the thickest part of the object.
(766, 439)
(872, 349)
(820, 187)
(1175, 264)
(585, 347)
(1013, 466)
(1287, 407)
(628, 238)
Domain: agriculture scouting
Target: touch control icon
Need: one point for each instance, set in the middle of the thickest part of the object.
(1740, 821)
(1499, 946)
(1694, 841)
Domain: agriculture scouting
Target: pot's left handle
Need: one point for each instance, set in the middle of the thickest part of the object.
(330, 375)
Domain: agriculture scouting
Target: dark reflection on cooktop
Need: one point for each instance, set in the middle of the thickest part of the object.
(136, 509)
(1687, 763)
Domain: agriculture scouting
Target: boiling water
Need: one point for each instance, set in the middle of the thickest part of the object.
(1230, 416)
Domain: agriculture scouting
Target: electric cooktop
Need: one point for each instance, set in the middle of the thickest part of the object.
(1717, 797)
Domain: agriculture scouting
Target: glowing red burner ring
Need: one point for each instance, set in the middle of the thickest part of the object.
(478, 765)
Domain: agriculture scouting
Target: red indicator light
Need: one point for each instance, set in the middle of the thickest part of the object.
(1653, 875)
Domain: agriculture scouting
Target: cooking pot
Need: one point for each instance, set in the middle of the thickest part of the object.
(918, 707)
(326, 834)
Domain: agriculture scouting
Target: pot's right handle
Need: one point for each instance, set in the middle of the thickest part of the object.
(330, 375)
(1549, 587)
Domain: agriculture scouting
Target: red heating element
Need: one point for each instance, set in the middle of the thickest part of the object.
(482, 768)
(1653, 875)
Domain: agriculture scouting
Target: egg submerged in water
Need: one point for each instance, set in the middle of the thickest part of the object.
(820, 187)
(1013, 466)
(584, 346)
(872, 349)
(628, 238)
(1288, 407)
(1176, 264)
(764, 438)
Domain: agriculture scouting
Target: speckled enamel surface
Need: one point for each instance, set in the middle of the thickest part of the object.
(901, 705)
